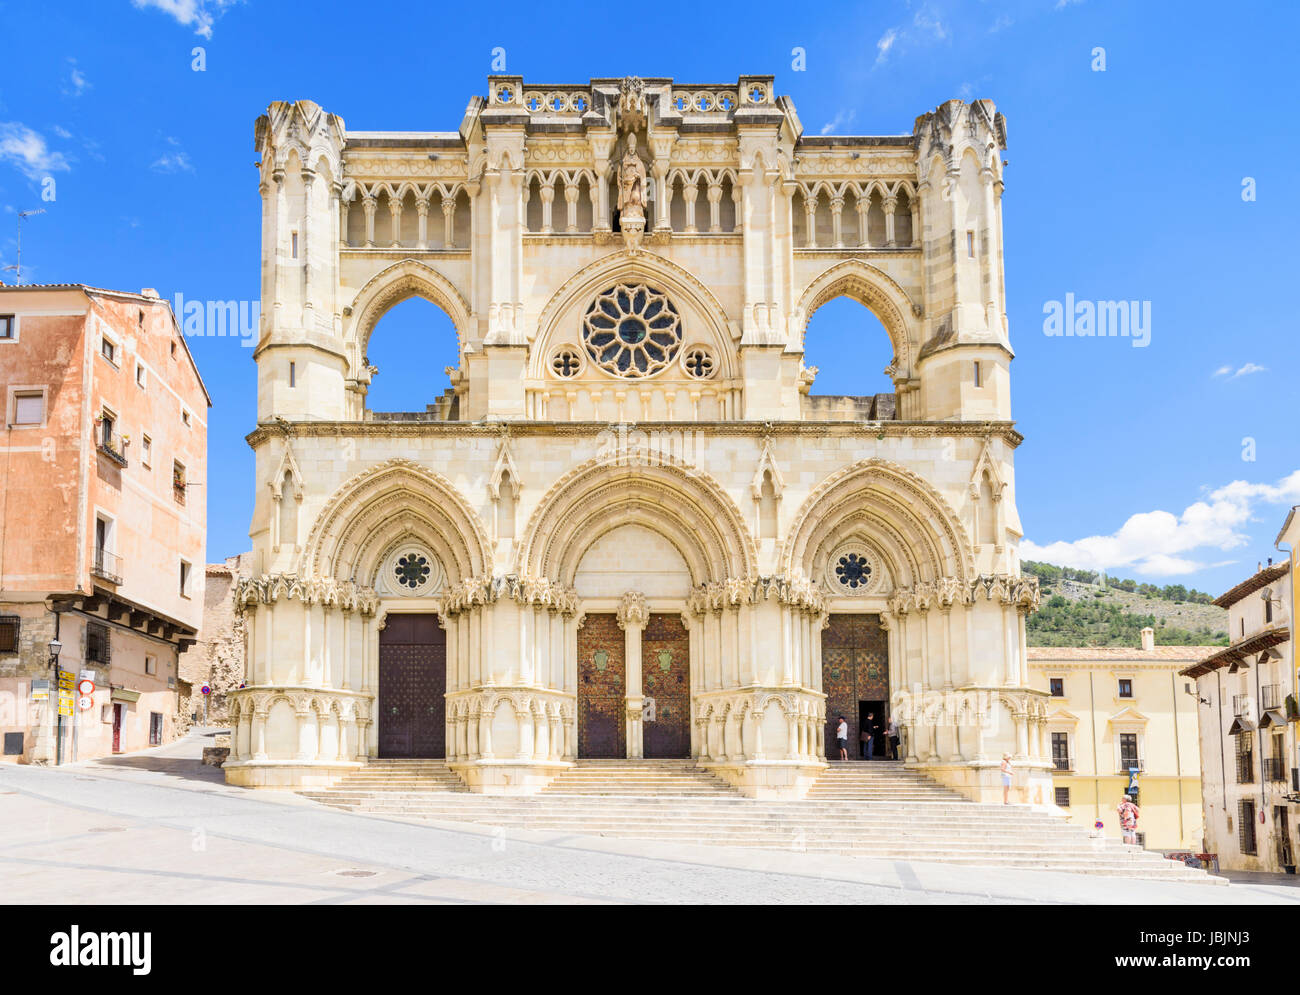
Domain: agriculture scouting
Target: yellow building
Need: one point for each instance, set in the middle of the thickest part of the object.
(1112, 709)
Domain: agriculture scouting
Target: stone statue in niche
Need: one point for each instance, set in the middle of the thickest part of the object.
(631, 195)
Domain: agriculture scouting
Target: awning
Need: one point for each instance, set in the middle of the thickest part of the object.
(1241, 724)
(1240, 652)
(1273, 717)
(125, 694)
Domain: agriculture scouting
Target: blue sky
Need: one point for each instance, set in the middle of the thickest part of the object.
(1125, 183)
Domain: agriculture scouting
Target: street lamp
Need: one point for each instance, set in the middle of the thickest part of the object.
(55, 648)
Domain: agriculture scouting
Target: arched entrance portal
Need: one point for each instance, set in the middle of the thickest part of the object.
(855, 677)
(412, 687)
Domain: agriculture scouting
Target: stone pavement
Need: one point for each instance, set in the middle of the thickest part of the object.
(156, 827)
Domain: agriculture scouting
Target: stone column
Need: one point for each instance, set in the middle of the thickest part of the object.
(863, 205)
(548, 197)
(690, 193)
(448, 222)
(715, 207)
(837, 228)
(571, 190)
(422, 214)
(633, 614)
(308, 241)
(810, 215)
(395, 218)
(890, 205)
(368, 205)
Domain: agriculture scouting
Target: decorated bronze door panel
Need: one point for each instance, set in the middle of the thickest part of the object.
(666, 677)
(602, 688)
(412, 687)
(855, 668)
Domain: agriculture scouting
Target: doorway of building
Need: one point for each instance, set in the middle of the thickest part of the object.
(666, 681)
(117, 728)
(602, 689)
(855, 677)
(412, 687)
(871, 717)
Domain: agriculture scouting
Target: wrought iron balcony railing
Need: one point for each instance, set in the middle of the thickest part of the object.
(1271, 696)
(107, 566)
(113, 447)
(1246, 768)
(1275, 769)
(1064, 764)
(1240, 705)
(1126, 764)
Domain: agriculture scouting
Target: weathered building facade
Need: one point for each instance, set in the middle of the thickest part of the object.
(630, 529)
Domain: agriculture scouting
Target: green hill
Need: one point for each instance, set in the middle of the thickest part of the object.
(1081, 608)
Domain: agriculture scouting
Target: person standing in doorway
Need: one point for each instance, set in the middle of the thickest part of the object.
(868, 735)
(842, 737)
(1128, 820)
(1007, 773)
(891, 732)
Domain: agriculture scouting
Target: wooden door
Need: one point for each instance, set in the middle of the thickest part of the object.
(855, 668)
(602, 688)
(412, 687)
(117, 728)
(666, 678)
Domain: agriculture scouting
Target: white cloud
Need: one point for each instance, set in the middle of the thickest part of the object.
(1157, 542)
(27, 150)
(927, 21)
(885, 43)
(1003, 21)
(1062, 4)
(77, 84)
(199, 14)
(172, 162)
(61, 132)
(1241, 371)
(840, 119)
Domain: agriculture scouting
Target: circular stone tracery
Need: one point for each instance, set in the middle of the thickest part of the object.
(632, 330)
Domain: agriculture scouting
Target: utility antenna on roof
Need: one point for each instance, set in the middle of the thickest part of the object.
(18, 267)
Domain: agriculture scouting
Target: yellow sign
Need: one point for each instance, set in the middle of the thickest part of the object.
(67, 679)
(65, 706)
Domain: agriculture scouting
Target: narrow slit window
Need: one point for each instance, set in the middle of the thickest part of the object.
(970, 244)
(293, 374)
(979, 378)
(294, 245)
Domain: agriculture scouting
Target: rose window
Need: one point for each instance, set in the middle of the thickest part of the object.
(632, 330)
(412, 570)
(852, 571)
(698, 363)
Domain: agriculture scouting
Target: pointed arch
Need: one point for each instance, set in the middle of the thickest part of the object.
(682, 504)
(874, 289)
(909, 521)
(392, 500)
(389, 287)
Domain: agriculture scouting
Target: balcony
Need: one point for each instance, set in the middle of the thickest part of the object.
(107, 566)
(112, 446)
(1295, 779)
(1064, 765)
(1240, 705)
(1275, 770)
(1126, 764)
(1246, 768)
(1271, 696)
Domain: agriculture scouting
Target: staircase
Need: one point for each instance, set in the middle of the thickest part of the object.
(875, 809)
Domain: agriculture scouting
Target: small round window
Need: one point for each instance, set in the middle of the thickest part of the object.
(412, 570)
(632, 330)
(852, 571)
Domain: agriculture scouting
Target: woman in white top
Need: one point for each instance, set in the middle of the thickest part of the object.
(1006, 778)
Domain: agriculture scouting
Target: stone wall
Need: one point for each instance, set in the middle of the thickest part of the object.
(218, 657)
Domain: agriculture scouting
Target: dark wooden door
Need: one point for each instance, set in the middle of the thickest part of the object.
(855, 668)
(412, 687)
(602, 688)
(117, 728)
(666, 677)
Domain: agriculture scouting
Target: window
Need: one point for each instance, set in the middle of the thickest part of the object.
(178, 480)
(1061, 751)
(979, 381)
(150, 665)
(1056, 685)
(1063, 797)
(139, 375)
(29, 407)
(139, 318)
(1126, 687)
(1128, 752)
(97, 643)
(1246, 826)
(108, 349)
(185, 417)
(970, 244)
(1268, 609)
(146, 451)
(8, 326)
(173, 348)
(13, 744)
(9, 625)
(185, 578)
(107, 421)
(293, 374)
(1245, 758)
(293, 248)
(155, 728)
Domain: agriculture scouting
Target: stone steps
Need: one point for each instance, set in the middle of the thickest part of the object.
(876, 809)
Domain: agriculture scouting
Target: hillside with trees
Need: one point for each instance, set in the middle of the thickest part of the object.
(1084, 608)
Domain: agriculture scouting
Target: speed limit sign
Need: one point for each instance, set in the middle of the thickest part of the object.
(86, 686)
(85, 702)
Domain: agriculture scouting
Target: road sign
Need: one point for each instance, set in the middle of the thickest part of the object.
(66, 680)
(85, 702)
(85, 686)
(65, 705)
(205, 689)
(40, 690)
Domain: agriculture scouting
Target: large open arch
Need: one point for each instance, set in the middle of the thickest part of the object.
(684, 506)
(391, 286)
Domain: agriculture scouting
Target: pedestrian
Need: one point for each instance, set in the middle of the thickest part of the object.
(892, 737)
(842, 738)
(868, 736)
(1128, 820)
(1006, 778)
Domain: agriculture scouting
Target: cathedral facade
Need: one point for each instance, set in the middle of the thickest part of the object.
(630, 528)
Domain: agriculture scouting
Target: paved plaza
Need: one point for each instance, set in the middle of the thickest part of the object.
(157, 827)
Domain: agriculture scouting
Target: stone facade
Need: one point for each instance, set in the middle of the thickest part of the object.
(217, 659)
(631, 432)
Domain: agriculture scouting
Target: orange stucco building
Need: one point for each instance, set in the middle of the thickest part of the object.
(102, 517)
